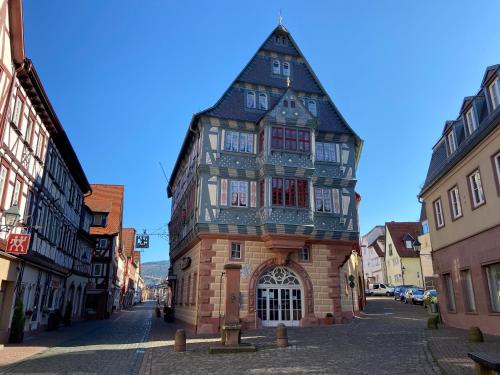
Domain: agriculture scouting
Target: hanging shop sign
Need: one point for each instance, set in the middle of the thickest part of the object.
(142, 241)
(18, 243)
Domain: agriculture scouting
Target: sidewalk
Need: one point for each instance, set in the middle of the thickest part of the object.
(449, 347)
(40, 342)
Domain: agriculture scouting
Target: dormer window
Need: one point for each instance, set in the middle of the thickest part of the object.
(494, 90)
(99, 220)
(471, 120)
(285, 103)
(311, 106)
(286, 69)
(292, 103)
(452, 146)
(262, 101)
(250, 99)
(276, 67)
(408, 244)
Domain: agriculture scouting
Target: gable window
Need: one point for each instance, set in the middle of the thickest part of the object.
(290, 139)
(238, 141)
(471, 120)
(456, 207)
(99, 220)
(102, 243)
(276, 67)
(239, 193)
(325, 151)
(311, 106)
(236, 250)
(262, 101)
(409, 244)
(496, 170)
(292, 103)
(286, 69)
(323, 199)
(305, 254)
(277, 191)
(304, 140)
(476, 189)
(250, 99)
(452, 146)
(494, 89)
(277, 138)
(438, 213)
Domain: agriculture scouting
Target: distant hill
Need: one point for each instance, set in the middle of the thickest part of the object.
(153, 272)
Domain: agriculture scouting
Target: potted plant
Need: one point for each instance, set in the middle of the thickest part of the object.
(17, 326)
(329, 318)
(67, 313)
(430, 303)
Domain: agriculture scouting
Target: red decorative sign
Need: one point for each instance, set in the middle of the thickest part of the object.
(18, 243)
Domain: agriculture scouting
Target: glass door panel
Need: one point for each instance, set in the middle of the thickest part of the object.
(262, 303)
(297, 304)
(285, 304)
(273, 304)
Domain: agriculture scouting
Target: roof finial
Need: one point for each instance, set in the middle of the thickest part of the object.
(288, 82)
(280, 19)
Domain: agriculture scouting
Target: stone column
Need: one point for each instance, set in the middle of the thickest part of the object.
(232, 325)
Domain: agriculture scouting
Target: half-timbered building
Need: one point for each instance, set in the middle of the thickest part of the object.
(266, 178)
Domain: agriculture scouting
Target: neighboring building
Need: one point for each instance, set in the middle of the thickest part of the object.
(373, 247)
(40, 175)
(103, 294)
(131, 274)
(426, 252)
(462, 200)
(266, 178)
(401, 260)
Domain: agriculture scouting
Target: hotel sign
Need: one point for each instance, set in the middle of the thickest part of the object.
(18, 243)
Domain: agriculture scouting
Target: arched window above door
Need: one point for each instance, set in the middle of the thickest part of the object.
(279, 276)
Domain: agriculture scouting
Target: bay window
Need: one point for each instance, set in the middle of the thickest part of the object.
(290, 139)
(304, 139)
(238, 141)
(290, 192)
(323, 198)
(239, 193)
(277, 138)
(325, 151)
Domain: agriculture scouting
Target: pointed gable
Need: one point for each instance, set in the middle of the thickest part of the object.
(289, 108)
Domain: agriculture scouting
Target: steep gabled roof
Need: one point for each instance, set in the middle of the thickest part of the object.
(128, 240)
(400, 231)
(113, 195)
(257, 72)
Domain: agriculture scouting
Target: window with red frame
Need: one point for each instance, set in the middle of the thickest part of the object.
(290, 139)
(304, 140)
(277, 191)
(261, 193)
(302, 194)
(290, 193)
(277, 138)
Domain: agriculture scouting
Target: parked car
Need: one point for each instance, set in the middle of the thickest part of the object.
(414, 295)
(379, 289)
(432, 293)
(399, 292)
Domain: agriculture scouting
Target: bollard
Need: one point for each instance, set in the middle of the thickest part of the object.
(281, 336)
(180, 341)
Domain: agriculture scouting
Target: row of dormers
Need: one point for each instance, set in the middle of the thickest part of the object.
(474, 110)
(260, 100)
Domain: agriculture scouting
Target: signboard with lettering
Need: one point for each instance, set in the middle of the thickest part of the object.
(142, 241)
(18, 243)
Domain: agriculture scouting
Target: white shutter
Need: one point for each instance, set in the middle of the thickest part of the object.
(336, 201)
(223, 192)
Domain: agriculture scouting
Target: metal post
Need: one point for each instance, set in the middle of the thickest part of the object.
(220, 296)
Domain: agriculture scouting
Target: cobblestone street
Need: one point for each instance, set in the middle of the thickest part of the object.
(391, 338)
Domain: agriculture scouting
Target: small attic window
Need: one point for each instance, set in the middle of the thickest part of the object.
(283, 40)
(277, 39)
(262, 101)
(286, 69)
(251, 99)
(292, 103)
(311, 106)
(451, 143)
(471, 120)
(409, 244)
(285, 103)
(276, 67)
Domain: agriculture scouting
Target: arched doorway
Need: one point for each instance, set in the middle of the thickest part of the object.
(279, 297)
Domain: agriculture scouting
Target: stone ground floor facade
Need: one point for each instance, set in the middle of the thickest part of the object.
(470, 285)
(277, 285)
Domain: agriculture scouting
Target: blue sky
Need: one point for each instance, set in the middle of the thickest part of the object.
(126, 76)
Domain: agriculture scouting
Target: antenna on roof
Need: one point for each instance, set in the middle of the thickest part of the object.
(280, 19)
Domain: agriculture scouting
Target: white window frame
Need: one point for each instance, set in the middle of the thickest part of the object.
(438, 213)
(250, 99)
(263, 101)
(452, 145)
(276, 67)
(494, 91)
(236, 141)
(496, 162)
(456, 205)
(236, 250)
(470, 116)
(305, 254)
(240, 188)
(286, 69)
(324, 197)
(476, 186)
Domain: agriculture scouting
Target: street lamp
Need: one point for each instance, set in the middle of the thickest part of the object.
(403, 268)
(12, 217)
(417, 247)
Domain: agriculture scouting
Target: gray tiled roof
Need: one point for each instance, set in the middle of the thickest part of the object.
(288, 49)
